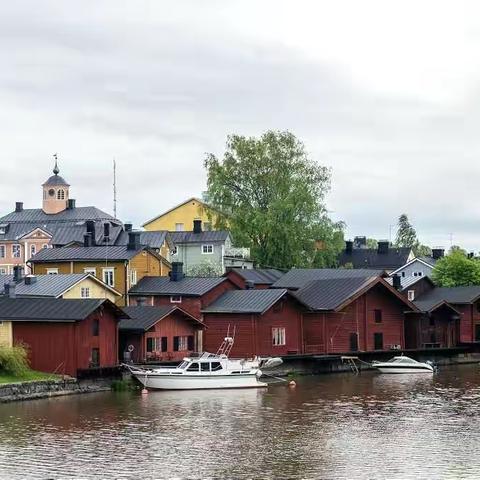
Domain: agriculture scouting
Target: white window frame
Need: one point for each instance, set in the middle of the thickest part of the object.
(279, 336)
(411, 295)
(133, 277)
(175, 299)
(183, 343)
(108, 271)
(3, 270)
(3, 251)
(174, 251)
(90, 271)
(16, 248)
(45, 245)
(207, 247)
(179, 227)
(52, 271)
(85, 292)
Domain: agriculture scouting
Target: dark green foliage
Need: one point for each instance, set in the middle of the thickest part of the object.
(456, 270)
(272, 198)
(14, 360)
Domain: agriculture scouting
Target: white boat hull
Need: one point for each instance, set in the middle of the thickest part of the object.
(198, 382)
(399, 370)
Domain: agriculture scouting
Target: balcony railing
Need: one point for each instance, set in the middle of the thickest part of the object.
(237, 252)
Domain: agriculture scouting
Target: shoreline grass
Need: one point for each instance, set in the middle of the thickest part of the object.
(29, 376)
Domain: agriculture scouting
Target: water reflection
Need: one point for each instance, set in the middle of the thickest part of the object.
(338, 426)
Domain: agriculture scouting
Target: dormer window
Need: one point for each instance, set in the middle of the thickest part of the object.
(3, 228)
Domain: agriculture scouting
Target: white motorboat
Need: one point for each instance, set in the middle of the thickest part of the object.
(403, 364)
(207, 371)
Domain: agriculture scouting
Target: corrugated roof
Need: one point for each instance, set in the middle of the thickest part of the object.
(84, 254)
(299, 277)
(265, 276)
(39, 217)
(15, 231)
(143, 318)
(188, 286)
(332, 293)
(48, 309)
(453, 295)
(67, 234)
(370, 258)
(152, 239)
(408, 281)
(245, 301)
(203, 237)
(47, 285)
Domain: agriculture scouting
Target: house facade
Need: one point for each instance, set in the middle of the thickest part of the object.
(420, 266)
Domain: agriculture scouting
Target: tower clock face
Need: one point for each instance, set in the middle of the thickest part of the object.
(51, 192)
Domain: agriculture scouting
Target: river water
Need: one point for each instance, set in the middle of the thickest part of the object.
(333, 426)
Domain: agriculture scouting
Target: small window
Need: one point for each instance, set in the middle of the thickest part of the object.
(207, 249)
(431, 321)
(61, 194)
(85, 292)
(52, 271)
(3, 271)
(181, 343)
(90, 271)
(411, 295)
(354, 342)
(205, 367)
(109, 276)
(179, 227)
(403, 274)
(175, 299)
(378, 316)
(133, 277)
(33, 250)
(477, 332)
(278, 336)
(164, 344)
(378, 341)
(2, 251)
(194, 367)
(95, 327)
(150, 344)
(44, 245)
(216, 366)
(95, 362)
(174, 251)
(16, 251)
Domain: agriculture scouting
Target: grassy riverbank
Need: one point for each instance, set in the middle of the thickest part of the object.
(29, 376)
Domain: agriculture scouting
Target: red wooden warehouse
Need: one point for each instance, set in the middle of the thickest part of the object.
(165, 333)
(253, 277)
(65, 336)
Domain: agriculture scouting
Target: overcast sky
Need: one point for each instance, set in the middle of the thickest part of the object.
(385, 93)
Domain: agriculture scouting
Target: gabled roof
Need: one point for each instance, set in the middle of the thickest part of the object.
(299, 277)
(152, 239)
(370, 258)
(336, 294)
(66, 254)
(203, 237)
(408, 282)
(427, 261)
(52, 309)
(429, 306)
(187, 286)
(38, 217)
(193, 199)
(142, 318)
(66, 234)
(15, 231)
(53, 285)
(259, 276)
(246, 301)
(454, 295)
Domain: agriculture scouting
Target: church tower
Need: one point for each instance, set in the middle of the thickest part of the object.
(55, 192)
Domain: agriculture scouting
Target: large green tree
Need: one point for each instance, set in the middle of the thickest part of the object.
(272, 198)
(407, 237)
(456, 270)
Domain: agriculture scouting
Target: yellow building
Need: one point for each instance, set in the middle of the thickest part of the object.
(180, 218)
(120, 267)
(6, 334)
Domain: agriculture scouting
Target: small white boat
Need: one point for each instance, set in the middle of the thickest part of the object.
(403, 364)
(208, 371)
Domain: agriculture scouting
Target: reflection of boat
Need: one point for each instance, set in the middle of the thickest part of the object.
(206, 371)
(403, 364)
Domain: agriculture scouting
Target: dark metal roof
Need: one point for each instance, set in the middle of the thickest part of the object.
(67, 254)
(153, 239)
(245, 301)
(143, 318)
(74, 233)
(332, 293)
(203, 237)
(56, 180)
(15, 231)
(370, 258)
(265, 276)
(51, 309)
(453, 295)
(408, 282)
(39, 218)
(188, 286)
(299, 277)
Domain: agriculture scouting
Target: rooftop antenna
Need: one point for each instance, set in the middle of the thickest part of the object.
(114, 188)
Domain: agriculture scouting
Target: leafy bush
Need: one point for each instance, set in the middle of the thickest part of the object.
(14, 360)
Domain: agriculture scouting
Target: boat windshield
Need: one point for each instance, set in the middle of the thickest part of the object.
(401, 360)
(183, 365)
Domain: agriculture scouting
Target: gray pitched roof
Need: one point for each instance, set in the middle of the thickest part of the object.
(299, 277)
(203, 237)
(266, 276)
(65, 234)
(331, 293)
(66, 254)
(48, 285)
(453, 295)
(51, 309)
(38, 217)
(152, 239)
(188, 286)
(408, 282)
(55, 180)
(143, 318)
(370, 258)
(245, 301)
